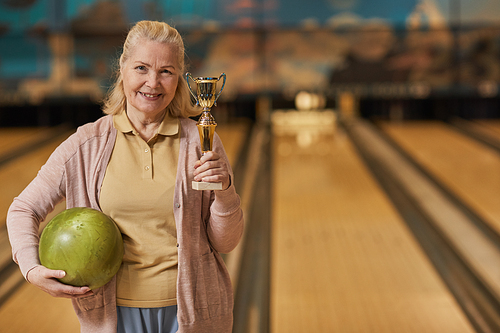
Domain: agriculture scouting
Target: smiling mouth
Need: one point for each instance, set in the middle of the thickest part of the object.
(149, 95)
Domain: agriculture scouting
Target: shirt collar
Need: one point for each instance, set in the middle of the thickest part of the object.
(168, 127)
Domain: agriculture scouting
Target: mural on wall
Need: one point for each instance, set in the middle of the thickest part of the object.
(51, 48)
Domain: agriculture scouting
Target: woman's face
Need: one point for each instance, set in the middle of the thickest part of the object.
(150, 77)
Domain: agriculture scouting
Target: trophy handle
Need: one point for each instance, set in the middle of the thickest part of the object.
(223, 84)
(188, 75)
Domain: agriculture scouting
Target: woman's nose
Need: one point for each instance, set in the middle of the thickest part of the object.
(153, 80)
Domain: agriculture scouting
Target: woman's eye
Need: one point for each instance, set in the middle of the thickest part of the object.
(141, 68)
(166, 71)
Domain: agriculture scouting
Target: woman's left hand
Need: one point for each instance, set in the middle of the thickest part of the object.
(212, 169)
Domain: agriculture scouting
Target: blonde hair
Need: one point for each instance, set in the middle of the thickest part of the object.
(181, 105)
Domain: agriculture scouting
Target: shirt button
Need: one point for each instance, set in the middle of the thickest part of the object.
(146, 150)
(177, 205)
(146, 167)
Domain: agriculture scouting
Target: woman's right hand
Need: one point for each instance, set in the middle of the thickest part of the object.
(46, 280)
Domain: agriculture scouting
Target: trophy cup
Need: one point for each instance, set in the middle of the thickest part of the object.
(206, 96)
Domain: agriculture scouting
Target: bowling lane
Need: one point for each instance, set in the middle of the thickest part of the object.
(14, 176)
(342, 258)
(491, 125)
(467, 167)
(233, 136)
(32, 310)
(17, 174)
(13, 138)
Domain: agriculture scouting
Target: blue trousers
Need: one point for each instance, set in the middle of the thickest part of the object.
(147, 320)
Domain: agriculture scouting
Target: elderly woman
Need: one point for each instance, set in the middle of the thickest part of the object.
(136, 165)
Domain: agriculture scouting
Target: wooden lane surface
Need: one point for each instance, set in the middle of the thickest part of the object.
(233, 136)
(492, 125)
(29, 301)
(17, 174)
(468, 168)
(15, 137)
(32, 310)
(342, 260)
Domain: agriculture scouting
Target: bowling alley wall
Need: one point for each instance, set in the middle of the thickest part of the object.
(405, 59)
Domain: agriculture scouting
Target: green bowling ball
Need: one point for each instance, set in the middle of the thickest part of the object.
(84, 243)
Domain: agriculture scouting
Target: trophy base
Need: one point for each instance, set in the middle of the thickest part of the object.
(200, 186)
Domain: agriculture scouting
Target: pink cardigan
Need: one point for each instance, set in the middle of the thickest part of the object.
(207, 223)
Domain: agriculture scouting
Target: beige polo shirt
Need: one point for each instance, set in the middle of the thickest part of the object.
(137, 192)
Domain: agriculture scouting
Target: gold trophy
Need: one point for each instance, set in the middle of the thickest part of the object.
(206, 96)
